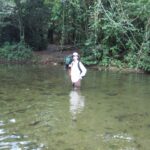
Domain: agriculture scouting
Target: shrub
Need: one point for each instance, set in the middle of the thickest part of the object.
(15, 52)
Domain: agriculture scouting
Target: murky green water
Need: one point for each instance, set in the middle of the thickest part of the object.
(39, 110)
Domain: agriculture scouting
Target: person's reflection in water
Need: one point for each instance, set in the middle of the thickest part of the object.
(77, 102)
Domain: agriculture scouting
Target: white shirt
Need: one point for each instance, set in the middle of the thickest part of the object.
(75, 71)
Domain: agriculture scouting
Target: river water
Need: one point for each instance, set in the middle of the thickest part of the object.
(39, 110)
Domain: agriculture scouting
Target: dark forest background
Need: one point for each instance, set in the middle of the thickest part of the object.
(108, 32)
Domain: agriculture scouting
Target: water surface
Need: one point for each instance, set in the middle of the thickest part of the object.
(39, 110)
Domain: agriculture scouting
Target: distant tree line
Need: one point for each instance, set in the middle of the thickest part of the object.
(109, 32)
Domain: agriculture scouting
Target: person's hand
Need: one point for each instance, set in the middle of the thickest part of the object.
(69, 65)
(81, 77)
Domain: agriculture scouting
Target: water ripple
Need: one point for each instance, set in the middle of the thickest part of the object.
(119, 136)
(16, 141)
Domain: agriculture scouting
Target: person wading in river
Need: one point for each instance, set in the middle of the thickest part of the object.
(77, 71)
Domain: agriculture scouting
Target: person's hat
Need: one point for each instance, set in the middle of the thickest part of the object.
(75, 54)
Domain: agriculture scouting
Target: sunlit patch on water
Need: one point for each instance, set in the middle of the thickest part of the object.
(119, 141)
(128, 148)
(2, 131)
(15, 141)
(1, 123)
(20, 145)
(119, 136)
(12, 120)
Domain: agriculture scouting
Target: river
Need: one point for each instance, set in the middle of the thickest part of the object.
(39, 110)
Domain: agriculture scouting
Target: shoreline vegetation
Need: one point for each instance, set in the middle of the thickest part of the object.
(54, 55)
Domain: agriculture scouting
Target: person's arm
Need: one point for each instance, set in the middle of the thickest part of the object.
(70, 65)
(84, 70)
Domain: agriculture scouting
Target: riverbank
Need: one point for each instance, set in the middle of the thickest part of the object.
(55, 54)
(52, 55)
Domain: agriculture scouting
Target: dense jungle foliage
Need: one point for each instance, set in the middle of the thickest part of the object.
(109, 32)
